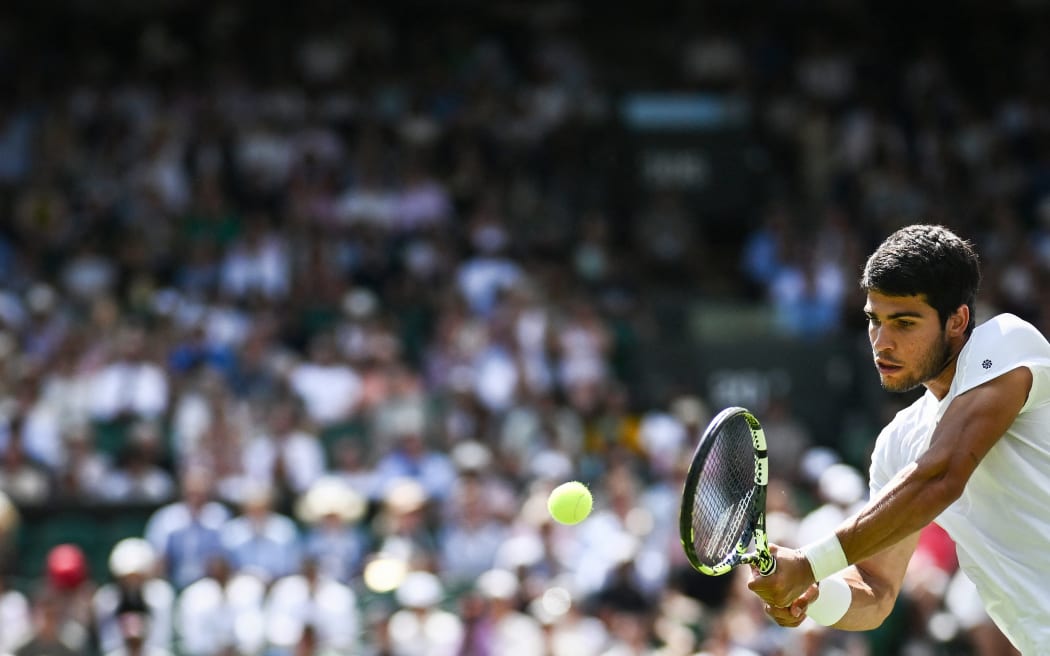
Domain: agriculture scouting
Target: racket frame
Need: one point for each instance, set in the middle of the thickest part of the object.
(756, 529)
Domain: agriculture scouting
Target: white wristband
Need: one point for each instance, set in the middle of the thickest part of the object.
(832, 603)
(826, 557)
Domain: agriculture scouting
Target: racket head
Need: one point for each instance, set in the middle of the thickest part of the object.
(724, 496)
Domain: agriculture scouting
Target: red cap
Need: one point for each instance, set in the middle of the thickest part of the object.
(66, 566)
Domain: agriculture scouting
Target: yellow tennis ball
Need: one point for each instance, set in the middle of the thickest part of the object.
(570, 503)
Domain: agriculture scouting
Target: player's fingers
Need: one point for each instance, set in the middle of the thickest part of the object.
(783, 616)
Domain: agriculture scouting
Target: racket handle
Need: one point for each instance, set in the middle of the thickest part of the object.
(767, 564)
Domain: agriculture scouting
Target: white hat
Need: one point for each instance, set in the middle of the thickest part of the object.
(841, 484)
(330, 496)
(404, 495)
(419, 589)
(498, 584)
(132, 556)
(471, 456)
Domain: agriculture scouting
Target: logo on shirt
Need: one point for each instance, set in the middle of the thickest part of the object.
(987, 364)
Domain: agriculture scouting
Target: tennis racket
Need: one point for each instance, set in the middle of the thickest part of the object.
(724, 500)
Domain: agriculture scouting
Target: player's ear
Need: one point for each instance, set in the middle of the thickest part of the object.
(959, 320)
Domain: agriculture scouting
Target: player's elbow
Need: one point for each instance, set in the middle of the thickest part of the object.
(944, 483)
(874, 600)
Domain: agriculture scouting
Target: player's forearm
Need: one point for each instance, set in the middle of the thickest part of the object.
(909, 503)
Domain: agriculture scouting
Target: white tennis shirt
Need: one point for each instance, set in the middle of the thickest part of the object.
(1001, 523)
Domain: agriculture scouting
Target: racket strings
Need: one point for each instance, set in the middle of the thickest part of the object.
(725, 495)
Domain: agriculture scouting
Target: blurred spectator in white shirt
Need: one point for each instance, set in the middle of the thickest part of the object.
(15, 623)
(221, 613)
(483, 277)
(369, 202)
(312, 599)
(423, 202)
(38, 425)
(330, 388)
(131, 385)
(67, 386)
(569, 630)
(285, 455)
(583, 346)
(502, 628)
(208, 423)
(258, 263)
(421, 627)
(615, 534)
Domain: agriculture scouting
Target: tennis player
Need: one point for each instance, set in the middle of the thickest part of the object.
(972, 454)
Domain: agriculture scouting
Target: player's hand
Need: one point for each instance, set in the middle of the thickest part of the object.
(794, 614)
(792, 577)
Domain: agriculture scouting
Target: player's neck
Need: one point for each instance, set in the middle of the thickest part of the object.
(942, 382)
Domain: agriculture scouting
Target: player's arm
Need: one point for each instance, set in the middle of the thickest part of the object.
(873, 589)
(970, 427)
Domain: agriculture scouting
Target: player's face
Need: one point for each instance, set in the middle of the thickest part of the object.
(908, 342)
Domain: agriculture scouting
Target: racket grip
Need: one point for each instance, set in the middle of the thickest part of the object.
(767, 564)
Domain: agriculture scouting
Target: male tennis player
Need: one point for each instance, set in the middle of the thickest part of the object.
(972, 454)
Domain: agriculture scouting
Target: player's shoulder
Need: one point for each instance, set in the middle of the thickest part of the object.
(1007, 334)
(1006, 328)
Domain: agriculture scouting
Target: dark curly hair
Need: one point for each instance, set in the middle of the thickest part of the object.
(928, 260)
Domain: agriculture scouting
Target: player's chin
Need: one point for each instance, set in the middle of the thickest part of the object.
(897, 384)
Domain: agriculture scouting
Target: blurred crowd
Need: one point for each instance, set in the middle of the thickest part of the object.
(340, 296)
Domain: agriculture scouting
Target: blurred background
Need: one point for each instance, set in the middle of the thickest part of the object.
(304, 309)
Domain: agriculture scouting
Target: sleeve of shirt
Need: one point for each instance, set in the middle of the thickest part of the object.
(1001, 345)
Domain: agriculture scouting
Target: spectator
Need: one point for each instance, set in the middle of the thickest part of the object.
(286, 455)
(86, 470)
(16, 624)
(329, 388)
(136, 585)
(311, 601)
(331, 509)
(261, 541)
(221, 613)
(471, 535)
(185, 533)
(420, 627)
(139, 477)
(47, 638)
(411, 458)
(133, 621)
(503, 628)
(131, 385)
